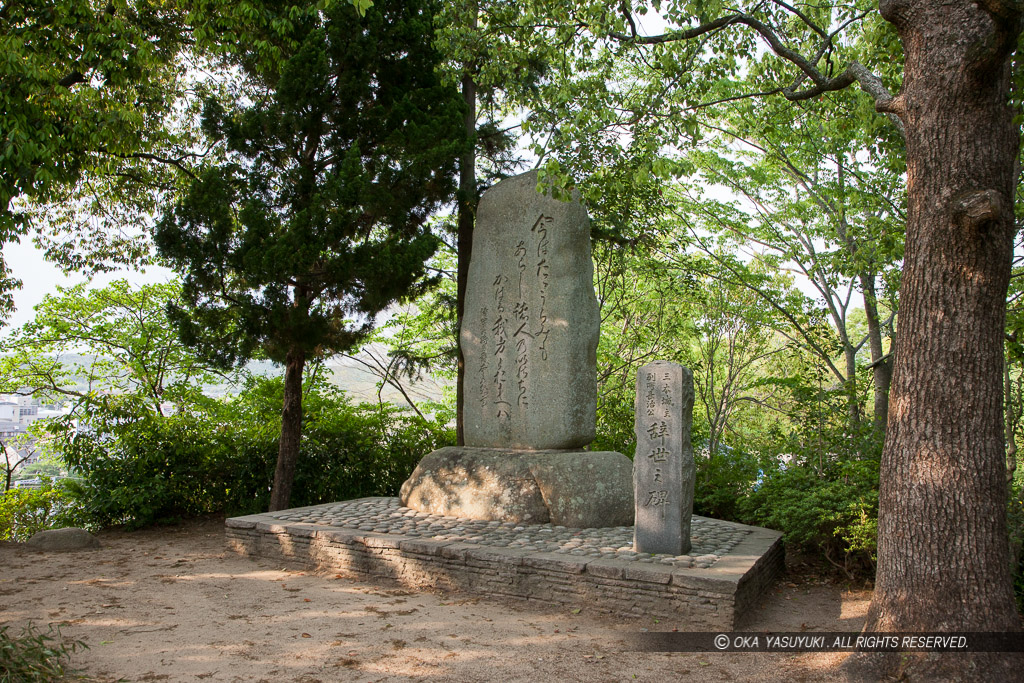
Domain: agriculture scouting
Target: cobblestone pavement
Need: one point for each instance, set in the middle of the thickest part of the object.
(711, 539)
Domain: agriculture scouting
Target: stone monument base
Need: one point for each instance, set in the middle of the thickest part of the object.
(588, 571)
(583, 489)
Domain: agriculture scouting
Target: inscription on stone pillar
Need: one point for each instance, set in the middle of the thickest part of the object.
(530, 328)
(663, 467)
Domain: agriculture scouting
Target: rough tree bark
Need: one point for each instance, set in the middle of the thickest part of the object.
(943, 555)
(291, 430)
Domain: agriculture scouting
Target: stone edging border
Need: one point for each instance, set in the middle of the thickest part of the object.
(714, 598)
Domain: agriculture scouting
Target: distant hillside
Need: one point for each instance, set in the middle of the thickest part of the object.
(361, 384)
(351, 376)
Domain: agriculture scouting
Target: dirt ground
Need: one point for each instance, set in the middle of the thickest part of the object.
(171, 604)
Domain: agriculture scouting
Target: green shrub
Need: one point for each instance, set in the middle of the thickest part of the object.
(724, 479)
(24, 512)
(347, 451)
(35, 656)
(833, 511)
(1015, 522)
(138, 468)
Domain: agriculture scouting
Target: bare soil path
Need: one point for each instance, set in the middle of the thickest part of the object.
(171, 604)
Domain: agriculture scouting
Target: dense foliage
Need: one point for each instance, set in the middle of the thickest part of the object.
(24, 512)
(145, 445)
(217, 456)
(316, 221)
(86, 90)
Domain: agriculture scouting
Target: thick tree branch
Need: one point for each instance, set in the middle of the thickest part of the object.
(854, 73)
(73, 78)
(676, 36)
(892, 107)
(629, 19)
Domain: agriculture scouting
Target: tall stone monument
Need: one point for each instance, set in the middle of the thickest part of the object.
(531, 323)
(663, 467)
(529, 337)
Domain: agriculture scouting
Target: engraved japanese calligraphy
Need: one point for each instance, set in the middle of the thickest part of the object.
(534, 361)
(529, 339)
(663, 468)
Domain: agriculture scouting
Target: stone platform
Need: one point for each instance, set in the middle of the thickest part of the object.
(728, 568)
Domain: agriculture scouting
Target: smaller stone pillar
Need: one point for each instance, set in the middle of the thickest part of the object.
(663, 467)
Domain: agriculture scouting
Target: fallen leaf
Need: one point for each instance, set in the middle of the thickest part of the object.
(306, 635)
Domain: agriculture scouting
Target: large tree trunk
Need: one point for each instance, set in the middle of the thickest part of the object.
(466, 221)
(291, 430)
(943, 555)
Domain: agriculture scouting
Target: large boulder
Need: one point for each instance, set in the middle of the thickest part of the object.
(62, 540)
(569, 488)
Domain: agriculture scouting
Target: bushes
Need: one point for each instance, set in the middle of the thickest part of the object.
(347, 451)
(834, 512)
(819, 486)
(139, 468)
(724, 479)
(1015, 522)
(23, 512)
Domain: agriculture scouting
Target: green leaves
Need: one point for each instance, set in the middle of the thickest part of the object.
(76, 81)
(98, 346)
(317, 220)
(24, 512)
(35, 656)
(362, 6)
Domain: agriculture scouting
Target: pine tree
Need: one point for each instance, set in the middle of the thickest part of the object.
(318, 220)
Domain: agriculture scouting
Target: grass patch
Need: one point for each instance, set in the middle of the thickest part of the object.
(35, 655)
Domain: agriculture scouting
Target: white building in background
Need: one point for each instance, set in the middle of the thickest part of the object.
(9, 428)
(24, 410)
(18, 447)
